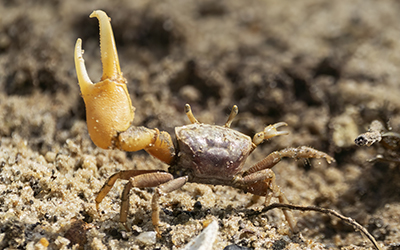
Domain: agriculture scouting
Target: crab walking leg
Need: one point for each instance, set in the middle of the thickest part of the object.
(296, 153)
(168, 187)
(263, 183)
(140, 181)
(123, 175)
(260, 179)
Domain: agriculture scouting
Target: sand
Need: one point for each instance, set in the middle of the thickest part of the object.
(327, 68)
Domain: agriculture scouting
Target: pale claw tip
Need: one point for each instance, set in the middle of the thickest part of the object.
(83, 77)
(270, 131)
(109, 55)
(281, 133)
(98, 14)
(279, 124)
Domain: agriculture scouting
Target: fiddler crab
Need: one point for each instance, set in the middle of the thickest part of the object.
(204, 153)
(378, 132)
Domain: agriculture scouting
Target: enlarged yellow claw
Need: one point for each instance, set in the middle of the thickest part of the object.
(108, 104)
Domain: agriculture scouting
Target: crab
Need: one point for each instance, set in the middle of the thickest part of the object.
(204, 153)
(378, 132)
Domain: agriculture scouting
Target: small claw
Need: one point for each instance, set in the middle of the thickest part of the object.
(83, 77)
(269, 132)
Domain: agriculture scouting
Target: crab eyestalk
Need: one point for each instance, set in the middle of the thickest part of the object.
(108, 105)
(234, 112)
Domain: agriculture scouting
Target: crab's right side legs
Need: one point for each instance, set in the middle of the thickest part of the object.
(140, 181)
(123, 175)
(163, 181)
(165, 188)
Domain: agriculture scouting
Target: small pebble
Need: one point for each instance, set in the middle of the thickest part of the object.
(44, 242)
(147, 238)
(50, 156)
(205, 240)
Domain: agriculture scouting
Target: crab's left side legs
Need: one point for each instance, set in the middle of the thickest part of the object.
(275, 157)
(295, 153)
(260, 179)
(263, 183)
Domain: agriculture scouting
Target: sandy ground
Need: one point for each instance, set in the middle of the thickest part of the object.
(327, 68)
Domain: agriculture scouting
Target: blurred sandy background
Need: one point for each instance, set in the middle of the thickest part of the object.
(327, 68)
